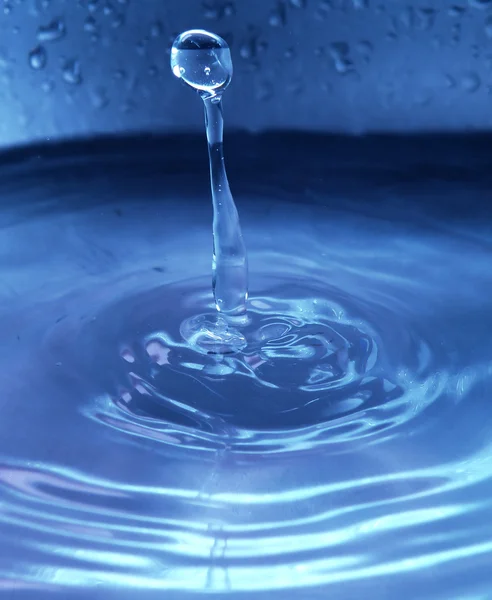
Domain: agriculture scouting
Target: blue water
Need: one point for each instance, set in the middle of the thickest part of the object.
(345, 453)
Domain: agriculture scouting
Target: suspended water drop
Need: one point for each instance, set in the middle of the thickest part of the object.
(203, 61)
(195, 51)
(55, 30)
(38, 58)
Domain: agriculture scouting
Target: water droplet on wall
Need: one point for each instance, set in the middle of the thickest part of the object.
(71, 72)
(339, 52)
(156, 29)
(488, 27)
(90, 24)
(480, 3)
(55, 30)
(278, 16)
(456, 11)
(470, 82)
(99, 98)
(38, 58)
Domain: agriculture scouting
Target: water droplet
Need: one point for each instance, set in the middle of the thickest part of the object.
(264, 91)
(118, 21)
(456, 11)
(38, 58)
(278, 16)
(55, 30)
(92, 5)
(218, 10)
(298, 3)
(339, 52)
(71, 72)
(90, 24)
(156, 29)
(450, 81)
(99, 98)
(470, 82)
(193, 53)
(488, 27)
(425, 18)
(289, 53)
(365, 49)
(48, 86)
(480, 3)
(358, 4)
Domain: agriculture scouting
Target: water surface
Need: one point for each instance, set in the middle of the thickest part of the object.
(351, 458)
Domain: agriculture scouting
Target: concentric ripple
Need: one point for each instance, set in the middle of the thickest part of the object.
(345, 452)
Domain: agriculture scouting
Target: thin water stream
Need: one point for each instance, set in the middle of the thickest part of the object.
(345, 452)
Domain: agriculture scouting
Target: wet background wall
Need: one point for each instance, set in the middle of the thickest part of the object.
(82, 67)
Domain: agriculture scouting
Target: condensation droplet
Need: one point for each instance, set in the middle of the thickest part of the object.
(298, 3)
(488, 27)
(365, 49)
(156, 29)
(339, 52)
(278, 16)
(90, 24)
(456, 11)
(48, 86)
(480, 3)
(470, 82)
(38, 58)
(99, 98)
(55, 30)
(71, 72)
(264, 91)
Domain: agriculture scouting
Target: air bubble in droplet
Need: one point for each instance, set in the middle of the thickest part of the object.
(55, 30)
(38, 58)
(193, 53)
